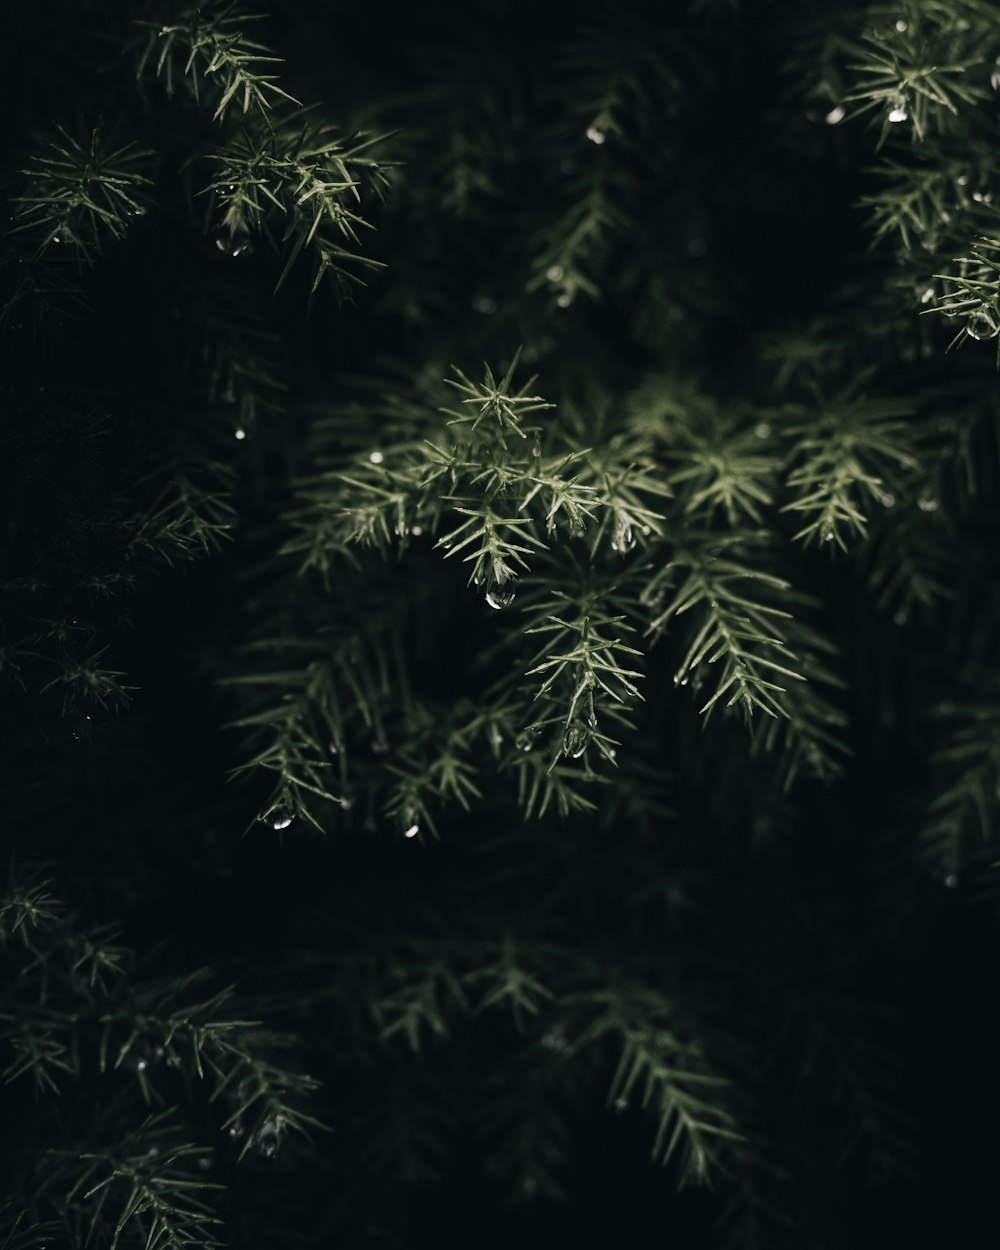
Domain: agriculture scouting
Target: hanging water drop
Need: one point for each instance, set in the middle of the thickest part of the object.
(380, 746)
(898, 112)
(927, 295)
(239, 433)
(595, 135)
(983, 324)
(555, 273)
(623, 539)
(575, 740)
(500, 596)
(651, 596)
(951, 880)
(484, 304)
(564, 299)
(412, 831)
(266, 1140)
(927, 503)
(887, 500)
(828, 536)
(280, 818)
(762, 429)
(527, 738)
(835, 115)
(376, 457)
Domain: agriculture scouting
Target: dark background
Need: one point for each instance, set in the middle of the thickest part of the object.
(134, 811)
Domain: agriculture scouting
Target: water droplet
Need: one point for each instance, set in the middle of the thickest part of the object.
(376, 457)
(623, 539)
(575, 740)
(995, 76)
(280, 818)
(901, 26)
(621, 1104)
(416, 530)
(828, 536)
(205, 1163)
(239, 433)
(266, 1140)
(484, 304)
(900, 617)
(412, 831)
(527, 738)
(564, 299)
(334, 748)
(235, 242)
(236, 1130)
(555, 1039)
(345, 805)
(680, 681)
(595, 135)
(836, 115)
(651, 595)
(887, 500)
(982, 197)
(500, 596)
(927, 295)
(141, 1065)
(983, 324)
(898, 112)
(380, 746)
(555, 273)
(927, 503)
(762, 429)
(951, 880)
(137, 211)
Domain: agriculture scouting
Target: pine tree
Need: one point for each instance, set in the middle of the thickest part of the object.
(499, 623)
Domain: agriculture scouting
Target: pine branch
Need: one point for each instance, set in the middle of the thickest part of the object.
(80, 192)
(145, 1187)
(295, 182)
(961, 816)
(842, 457)
(203, 48)
(746, 634)
(669, 1075)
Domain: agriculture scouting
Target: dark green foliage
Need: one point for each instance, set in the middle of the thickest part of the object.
(527, 453)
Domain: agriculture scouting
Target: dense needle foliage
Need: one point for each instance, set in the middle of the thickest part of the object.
(498, 623)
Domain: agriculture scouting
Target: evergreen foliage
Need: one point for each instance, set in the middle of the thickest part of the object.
(547, 462)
